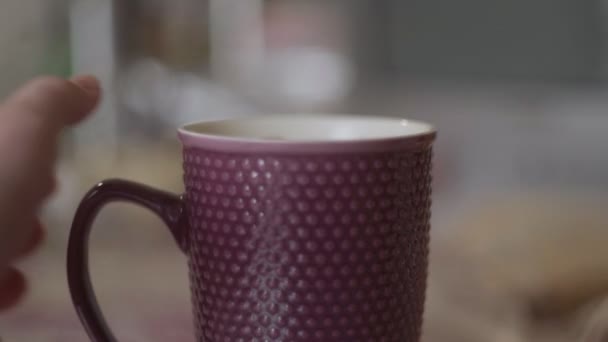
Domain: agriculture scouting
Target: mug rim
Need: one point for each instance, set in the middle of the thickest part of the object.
(417, 140)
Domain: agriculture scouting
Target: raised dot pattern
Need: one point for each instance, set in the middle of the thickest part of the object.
(330, 248)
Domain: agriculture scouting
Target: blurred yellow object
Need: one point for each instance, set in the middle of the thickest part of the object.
(533, 266)
(548, 250)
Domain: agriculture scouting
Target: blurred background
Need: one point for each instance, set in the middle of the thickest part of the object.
(518, 90)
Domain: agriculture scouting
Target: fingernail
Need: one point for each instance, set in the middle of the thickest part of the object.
(88, 83)
(35, 240)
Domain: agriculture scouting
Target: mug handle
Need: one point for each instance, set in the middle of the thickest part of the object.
(169, 207)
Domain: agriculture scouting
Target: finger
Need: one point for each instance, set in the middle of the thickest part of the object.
(90, 84)
(32, 119)
(33, 242)
(12, 288)
(53, 102)
(21, 238)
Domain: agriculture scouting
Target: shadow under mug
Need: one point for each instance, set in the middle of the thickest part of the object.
(296, 228)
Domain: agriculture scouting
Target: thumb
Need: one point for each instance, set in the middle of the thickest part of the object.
(54, 102)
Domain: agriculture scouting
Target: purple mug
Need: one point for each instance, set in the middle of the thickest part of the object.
(296, 228)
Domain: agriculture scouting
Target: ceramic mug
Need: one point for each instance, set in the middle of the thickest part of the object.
(296, 228)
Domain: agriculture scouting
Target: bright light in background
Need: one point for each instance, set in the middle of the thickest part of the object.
(286, 56)
(309, 75)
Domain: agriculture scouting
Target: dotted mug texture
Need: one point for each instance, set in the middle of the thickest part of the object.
(308, 247)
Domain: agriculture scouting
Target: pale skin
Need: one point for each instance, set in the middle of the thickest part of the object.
(31, 122)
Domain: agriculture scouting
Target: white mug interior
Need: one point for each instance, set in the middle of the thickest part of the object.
(309, 128)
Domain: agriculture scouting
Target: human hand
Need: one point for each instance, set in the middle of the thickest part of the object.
(31, 121)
